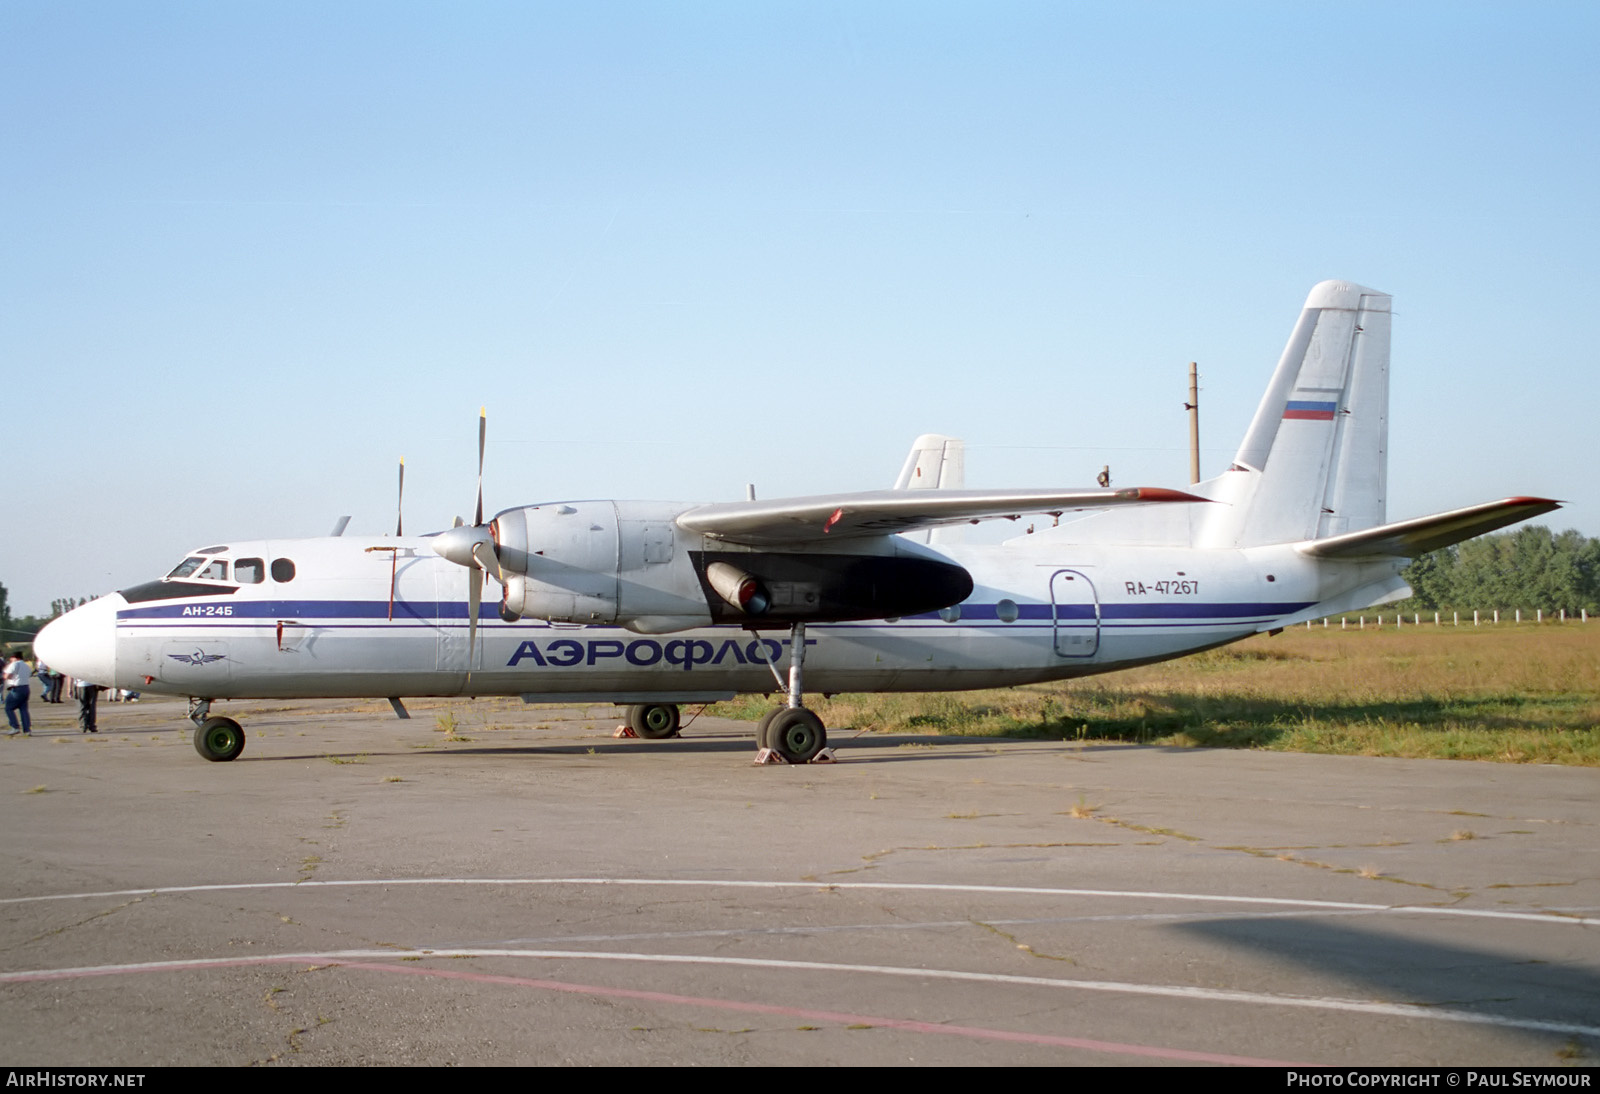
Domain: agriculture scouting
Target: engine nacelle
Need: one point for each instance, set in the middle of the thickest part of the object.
(599, 562)
(629, 563)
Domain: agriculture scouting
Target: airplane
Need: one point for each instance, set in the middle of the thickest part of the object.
(651, 605)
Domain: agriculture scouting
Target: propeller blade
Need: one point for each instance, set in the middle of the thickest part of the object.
(474, 598)
(400, 499)
(483, 431)
(483, 554)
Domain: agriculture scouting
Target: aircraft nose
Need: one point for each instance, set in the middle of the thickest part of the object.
(83, 643)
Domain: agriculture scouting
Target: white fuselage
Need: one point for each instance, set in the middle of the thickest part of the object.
(1041, 609)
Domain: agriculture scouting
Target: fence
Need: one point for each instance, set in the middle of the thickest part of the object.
(1455, 619)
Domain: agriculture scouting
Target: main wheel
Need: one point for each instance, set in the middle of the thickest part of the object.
(764, 725)
(653, 721)
(219, 739)
(796, 734)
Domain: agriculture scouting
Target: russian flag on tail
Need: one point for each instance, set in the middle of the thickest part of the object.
(1308, 410)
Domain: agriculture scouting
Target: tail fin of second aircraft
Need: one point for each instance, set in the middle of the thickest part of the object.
(1314, 461)
(935, 462)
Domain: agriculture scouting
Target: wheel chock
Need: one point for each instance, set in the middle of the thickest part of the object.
(624, 731)
(772, 756)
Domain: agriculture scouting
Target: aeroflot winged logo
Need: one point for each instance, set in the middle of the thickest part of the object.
(198, 657)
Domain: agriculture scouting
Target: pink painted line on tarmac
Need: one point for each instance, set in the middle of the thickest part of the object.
(835, 1017)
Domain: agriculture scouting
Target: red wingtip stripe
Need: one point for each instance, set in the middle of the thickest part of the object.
(1161, 493)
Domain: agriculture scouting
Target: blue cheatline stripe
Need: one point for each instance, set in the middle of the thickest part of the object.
(537, 627)
(311, 609)
(413, 613)
(335, 616)
(1157, 610)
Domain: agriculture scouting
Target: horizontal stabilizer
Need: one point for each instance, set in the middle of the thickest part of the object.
(1411, 538)
(832, 517)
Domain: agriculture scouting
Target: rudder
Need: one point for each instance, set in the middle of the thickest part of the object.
(1314, 461)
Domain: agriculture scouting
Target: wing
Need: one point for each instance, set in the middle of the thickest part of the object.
(831, 517)
(1410, 538)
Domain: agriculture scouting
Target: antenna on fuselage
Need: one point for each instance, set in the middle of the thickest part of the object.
(339, 526)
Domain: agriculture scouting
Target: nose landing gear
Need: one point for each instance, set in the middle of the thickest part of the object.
(219, 739)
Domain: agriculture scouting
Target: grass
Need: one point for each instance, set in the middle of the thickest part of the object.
(1514, 694)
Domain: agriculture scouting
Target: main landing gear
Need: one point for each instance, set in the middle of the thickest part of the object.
(791, 731)
(217, 739)
(785, 734)
(653, 721)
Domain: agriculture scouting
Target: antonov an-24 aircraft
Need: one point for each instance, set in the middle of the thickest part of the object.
(654, 604)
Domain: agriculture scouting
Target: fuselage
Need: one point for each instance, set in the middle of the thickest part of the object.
(352, 616)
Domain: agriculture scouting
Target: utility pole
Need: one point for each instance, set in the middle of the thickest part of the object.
(1193, 407)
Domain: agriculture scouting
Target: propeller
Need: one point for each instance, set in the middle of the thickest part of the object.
(399, 524)
(472, 546)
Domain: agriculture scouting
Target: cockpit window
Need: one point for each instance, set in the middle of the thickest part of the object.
(249, 571)
(282, 569)
(199, 568)
(186, 567)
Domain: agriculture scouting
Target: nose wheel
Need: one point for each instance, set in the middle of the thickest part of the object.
(219, 739)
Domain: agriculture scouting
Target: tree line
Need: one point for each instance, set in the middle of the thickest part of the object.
(19, 630)
(1529, 568)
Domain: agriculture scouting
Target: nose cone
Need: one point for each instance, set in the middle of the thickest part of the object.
(83, 643)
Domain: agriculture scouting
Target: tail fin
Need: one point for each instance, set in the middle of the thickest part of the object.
(1314, 462)
(936, 462)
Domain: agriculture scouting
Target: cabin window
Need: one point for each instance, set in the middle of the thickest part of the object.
(249, 571)
(950, 614)
(282, 569)
(186, 567)
(216, 570)
(1005, 610)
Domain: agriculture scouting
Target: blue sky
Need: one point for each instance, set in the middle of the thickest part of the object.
(253, 253)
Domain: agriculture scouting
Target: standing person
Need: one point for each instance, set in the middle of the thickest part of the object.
(49, 684)
(88, 696)
(16, 677)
